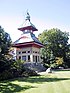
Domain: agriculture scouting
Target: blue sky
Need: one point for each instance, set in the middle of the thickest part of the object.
(45, 14)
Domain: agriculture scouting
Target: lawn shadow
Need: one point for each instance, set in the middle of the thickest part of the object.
(40, 79)
(13, 88)
(9, 87)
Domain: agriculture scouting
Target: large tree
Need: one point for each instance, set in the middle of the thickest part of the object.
(54, 41)
(5, 44)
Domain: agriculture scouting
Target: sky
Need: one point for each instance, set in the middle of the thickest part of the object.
(45, 14)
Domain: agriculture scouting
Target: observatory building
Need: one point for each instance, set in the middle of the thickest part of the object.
(28, 46)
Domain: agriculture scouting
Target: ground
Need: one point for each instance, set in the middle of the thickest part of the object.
(56, 82)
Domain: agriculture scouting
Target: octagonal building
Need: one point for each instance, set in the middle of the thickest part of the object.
(28, 46)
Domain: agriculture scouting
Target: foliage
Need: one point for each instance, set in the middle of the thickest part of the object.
(59, 60)
(56, 41)
(5, 43)
(28, 72)
(6, 61)
(6, 75)
(14, 69)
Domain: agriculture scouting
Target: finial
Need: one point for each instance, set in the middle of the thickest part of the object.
(28, 16)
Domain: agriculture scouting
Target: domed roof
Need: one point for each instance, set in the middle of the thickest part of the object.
(27, 25)
(28, 37)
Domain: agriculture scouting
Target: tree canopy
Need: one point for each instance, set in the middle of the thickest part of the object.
(5, 43)
(56, 41)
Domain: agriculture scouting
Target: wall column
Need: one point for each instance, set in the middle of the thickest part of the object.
(31, 57)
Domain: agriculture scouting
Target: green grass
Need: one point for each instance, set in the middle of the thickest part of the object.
(56, 82)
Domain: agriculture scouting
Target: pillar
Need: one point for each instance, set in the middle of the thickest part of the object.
(31, 57)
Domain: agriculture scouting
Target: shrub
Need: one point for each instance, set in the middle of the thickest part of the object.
(6, 75)
(28, 72)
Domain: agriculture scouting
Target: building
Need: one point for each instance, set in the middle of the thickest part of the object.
(28, 46)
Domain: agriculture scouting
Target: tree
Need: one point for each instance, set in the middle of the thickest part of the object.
(56, 41)
(5, 44)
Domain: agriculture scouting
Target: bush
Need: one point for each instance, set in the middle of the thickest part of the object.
(28, 72)
(9, 69)
(6, 75)
(14, 69)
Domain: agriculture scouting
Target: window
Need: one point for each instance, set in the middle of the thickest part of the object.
(34, 58)
(28, 51)
(19, 52)
(38, 58)
(35, 52)
(24, 58)
(24, 52)
(29, 58)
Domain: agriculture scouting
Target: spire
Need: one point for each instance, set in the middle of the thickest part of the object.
(28, 25)
(27, 16)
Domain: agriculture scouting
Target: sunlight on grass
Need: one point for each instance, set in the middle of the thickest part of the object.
(57, 82)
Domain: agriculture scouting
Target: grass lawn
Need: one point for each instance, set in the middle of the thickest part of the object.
(56, 82)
